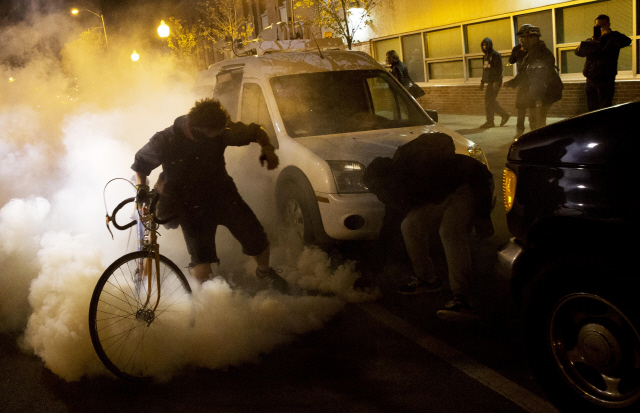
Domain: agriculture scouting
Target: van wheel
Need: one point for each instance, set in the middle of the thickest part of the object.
(580, 327)
(295, 214)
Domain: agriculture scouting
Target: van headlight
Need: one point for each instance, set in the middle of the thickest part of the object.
(476, 153)
(348, 176)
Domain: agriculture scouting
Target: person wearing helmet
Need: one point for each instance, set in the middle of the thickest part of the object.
(601, 67)
(492, 77)
(538, 84)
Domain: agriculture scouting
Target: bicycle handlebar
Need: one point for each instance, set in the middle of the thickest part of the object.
(152, 206)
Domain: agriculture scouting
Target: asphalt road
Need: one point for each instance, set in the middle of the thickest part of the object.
(392, 355)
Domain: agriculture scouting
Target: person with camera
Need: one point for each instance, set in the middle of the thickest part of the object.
(601, 67)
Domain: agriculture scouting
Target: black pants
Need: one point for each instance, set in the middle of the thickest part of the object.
(490, 103)
(522, 114)
(600, 93)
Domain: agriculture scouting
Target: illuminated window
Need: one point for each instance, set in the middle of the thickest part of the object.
(575, 24)
(412, 56)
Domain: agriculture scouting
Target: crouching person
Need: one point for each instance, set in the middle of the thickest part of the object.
(437, 191)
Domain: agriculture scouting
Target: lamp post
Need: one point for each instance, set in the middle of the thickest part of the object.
(163, 29)
(76, 11)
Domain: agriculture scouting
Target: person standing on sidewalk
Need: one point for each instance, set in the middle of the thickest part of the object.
(398, 69)
(538, 83)
(436, 191)
(601, 67)
(517, 54)
(492, 77)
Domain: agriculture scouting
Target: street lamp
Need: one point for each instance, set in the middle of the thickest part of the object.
(163, 29)
(76, 11)
(135, 56)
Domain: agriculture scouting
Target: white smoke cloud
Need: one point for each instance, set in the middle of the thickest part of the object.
(55, 158)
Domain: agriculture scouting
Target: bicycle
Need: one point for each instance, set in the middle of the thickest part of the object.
(139, 299)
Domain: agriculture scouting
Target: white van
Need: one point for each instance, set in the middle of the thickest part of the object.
(328, 114)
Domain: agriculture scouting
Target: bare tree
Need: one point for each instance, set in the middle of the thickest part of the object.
(225, 20)
(339, 15)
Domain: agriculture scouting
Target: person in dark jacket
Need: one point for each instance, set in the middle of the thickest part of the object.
(436, 190)
(535, 91)
(517, 54)
(492, 77)
(195, 180)
(601, 66)
(398, 69)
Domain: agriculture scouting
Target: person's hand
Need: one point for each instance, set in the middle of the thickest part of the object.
(481, 86)
(508, 84)
(142, 191)
(268, 154)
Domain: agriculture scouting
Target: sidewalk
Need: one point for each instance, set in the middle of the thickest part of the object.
(495, 142)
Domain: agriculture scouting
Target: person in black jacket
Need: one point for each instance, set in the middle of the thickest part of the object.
(601, 66)
(196, 182)
(434, 190)
(398, 69)
(517, 55)
(537, 89)
(492, 77)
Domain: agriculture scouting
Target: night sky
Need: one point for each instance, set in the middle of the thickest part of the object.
(120, 15)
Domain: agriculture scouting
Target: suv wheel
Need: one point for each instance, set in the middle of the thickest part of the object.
(582, 343)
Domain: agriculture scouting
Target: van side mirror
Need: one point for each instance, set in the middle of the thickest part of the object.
(433, 114)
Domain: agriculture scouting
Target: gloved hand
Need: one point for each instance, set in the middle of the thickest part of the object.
(481, 86)
(142, 192)
(268, 154)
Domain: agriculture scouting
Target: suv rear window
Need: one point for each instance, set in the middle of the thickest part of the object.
(326, 103)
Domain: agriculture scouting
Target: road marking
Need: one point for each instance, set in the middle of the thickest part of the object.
(496, 382)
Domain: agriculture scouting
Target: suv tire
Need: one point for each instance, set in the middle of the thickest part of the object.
(578, 329)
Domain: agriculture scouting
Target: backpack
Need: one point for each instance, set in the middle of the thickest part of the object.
(545, 82)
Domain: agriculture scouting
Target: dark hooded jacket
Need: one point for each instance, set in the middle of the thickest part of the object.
(426, 171)
(602, 56)
(533, 78)
(491, 64)
(194, 170)
(399, 71)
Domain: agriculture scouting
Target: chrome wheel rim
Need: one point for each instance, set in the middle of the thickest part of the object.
(597, 350)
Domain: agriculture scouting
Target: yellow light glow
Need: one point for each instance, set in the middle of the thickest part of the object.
(509, 188)
(163, 29)
(135, 56)
(74, 11)
(11, 79)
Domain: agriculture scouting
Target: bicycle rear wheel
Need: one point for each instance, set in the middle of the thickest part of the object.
(129, 333)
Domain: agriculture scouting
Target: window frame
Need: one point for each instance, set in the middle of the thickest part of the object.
(555, 47)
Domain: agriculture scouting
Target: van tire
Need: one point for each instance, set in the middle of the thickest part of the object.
(298, 208)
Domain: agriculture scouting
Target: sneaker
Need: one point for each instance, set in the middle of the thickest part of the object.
(418, 286)
(275, 281)
(505, 119)
(487, 125)
(458, 309)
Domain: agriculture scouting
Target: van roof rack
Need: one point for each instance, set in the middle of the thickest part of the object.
(262, 47)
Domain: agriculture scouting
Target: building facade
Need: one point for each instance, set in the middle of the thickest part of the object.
(439, 41)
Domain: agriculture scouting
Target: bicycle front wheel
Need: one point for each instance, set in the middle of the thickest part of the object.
(132, 325)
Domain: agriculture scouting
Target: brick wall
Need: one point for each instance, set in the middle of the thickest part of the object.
(469, 100)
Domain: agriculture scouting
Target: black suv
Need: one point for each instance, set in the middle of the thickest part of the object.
(572, 206)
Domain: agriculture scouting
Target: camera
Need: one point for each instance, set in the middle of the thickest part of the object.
(597, 32)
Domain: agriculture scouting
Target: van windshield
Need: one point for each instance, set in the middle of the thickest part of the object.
(326, 103)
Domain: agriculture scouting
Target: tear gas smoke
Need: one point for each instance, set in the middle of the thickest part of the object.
(55, 157)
